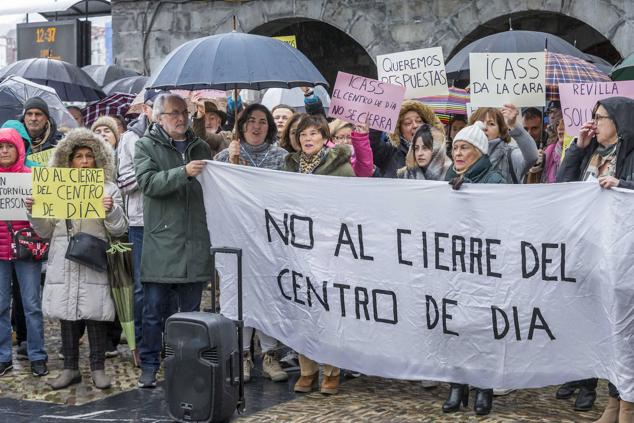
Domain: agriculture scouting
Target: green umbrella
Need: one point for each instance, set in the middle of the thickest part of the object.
(624, 70)
(120, 273)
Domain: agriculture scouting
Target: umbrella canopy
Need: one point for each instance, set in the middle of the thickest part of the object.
(565, 69)
(446, 106)
(10, 106)
(509, 42)
(293, 97)
(235, 60)
(105, 74)
(129, 85)
(116, 104)
(624, 70)
(69, 81)
(24, 89)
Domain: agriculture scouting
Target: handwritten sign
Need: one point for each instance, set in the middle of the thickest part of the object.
(502, 78)
(288, 39)
(14, 188)
(63, 193)
(42, 157)
(421, 72)
(578, 100)
(357, 99)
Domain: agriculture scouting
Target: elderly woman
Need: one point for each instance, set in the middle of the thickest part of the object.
(501, 128)
(257, 133)
(471, 165)
(604, 150)
(390, 156)
(27, 270)
(357, 139)
(107, 128)
(74, 293)
(427, 157)
(317, 159)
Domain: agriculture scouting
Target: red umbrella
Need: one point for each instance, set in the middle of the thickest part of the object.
(561, 68)
(116, 104)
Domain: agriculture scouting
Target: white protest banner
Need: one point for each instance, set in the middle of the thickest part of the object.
(14, 188)
(421, 72)
(357, 99)
(502, 78)
(578, 100)
(460, 286)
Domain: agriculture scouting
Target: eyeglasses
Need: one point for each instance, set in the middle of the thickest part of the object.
(343, 137)
(176, 114)
(597, 117)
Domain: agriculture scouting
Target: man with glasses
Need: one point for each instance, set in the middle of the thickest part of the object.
(175, 257)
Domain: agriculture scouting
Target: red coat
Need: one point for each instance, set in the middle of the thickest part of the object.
(12, 136)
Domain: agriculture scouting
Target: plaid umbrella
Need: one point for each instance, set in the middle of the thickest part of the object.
(446, 106)
(561, 68)
(116, 104)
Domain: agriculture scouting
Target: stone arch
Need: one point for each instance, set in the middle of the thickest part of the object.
(328, 47)
(606, 18)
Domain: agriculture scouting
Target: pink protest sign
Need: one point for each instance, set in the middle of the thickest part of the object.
(358, 99)
(578, 100)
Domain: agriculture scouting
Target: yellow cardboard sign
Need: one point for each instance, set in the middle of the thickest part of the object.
(68, 193)
(288, 39)
(42, 157)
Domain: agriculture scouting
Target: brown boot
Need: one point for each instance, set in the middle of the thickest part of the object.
(611, 412)
(330, 385)
(626, 412)
(306, 383)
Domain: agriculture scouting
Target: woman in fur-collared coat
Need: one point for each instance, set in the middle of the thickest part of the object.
(75, 293)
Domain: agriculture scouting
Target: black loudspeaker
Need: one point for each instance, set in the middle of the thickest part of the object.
(203, 362)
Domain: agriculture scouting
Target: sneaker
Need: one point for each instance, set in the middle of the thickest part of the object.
(271, 368)
(38, 368)
(502, 392)
(247, 365)
(5, 367)
(148, 378)
(21, 352)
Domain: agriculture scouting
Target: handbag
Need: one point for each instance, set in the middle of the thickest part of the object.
(86, 249)
(27, 245)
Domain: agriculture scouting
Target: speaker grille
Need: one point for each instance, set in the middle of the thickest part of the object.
(169, 351)
(210, 355)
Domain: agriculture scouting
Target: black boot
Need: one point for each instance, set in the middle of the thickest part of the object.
(483, 401)
(458, 393)
(567, 390)
(585, 399)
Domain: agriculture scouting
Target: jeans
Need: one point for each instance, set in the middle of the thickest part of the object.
(135, 236)
(28, 275)
(157, 299)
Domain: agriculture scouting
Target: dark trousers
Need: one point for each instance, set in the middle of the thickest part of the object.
(157, 307)
(97, 338)
(17, 311)
(613, 392)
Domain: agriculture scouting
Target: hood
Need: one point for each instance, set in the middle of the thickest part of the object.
(424, 111)
(621, 110)
(19, 126)
(83, 137)
(139, 125)
(12, 136)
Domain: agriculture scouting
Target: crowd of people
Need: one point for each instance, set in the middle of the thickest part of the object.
(152, 194)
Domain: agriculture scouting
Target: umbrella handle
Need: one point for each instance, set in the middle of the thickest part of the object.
(235, 159)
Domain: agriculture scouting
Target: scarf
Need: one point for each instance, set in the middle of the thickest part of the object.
(602, 162)
(308, 164)
(36, 142)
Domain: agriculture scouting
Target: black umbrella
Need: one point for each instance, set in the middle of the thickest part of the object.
(509, 42)
(235, 61)
(129, 85)
(10, 106)
(69, 81)
(105, 74)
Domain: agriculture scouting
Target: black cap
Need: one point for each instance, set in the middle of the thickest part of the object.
(37, 103)
(152, 93)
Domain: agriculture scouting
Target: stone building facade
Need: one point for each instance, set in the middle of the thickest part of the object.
(349, 34)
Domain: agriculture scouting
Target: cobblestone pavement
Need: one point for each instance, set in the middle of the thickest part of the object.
(365, 399)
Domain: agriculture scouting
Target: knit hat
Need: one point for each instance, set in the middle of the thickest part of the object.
(36, 103)
(109, 122)
(474, 135)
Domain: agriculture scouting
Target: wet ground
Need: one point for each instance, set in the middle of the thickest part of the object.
(24, 398)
